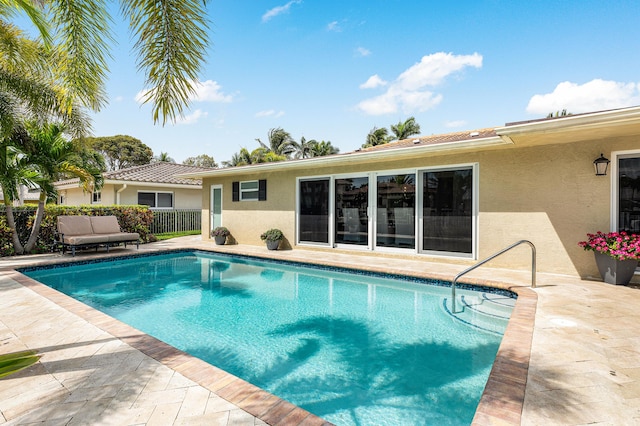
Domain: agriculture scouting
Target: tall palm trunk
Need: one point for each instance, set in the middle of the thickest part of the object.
(17, 245)
(35, 229)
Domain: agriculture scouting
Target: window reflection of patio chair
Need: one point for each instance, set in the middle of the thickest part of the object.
(382, 227)
(405, 226)
(351, 224)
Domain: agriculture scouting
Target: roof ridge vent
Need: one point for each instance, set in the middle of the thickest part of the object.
(416, 141)
(474, 134)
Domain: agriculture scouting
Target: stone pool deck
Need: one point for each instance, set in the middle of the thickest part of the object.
(570, 356)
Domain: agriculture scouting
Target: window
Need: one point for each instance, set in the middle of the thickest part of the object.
(61, 199)
(423, 210)
(448, 210)
(161, 200)
(351, 207)
(628, 202)
(96, 197)
(395, 211)
(250, 190)
(313, 211)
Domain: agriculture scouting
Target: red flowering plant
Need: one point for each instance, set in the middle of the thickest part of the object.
(618, 245)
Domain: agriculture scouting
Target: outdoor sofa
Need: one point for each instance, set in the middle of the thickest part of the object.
(91, 231)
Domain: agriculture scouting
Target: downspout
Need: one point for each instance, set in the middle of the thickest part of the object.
(124, 186)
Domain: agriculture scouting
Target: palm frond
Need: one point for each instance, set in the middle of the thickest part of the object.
(171, 42)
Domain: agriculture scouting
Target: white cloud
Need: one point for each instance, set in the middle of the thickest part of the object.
(192, 118)
(455, 124)
(279, 10)
(373, 82)
(119, 98)
(210, 91)
(334, 26)
(206, 91)
(269, 113)
(363, 51)
(408, 92)
(594, 95)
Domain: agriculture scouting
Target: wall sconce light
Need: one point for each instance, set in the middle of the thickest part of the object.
(601, 164)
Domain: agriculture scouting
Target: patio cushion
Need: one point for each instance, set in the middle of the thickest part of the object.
(77, 240)
(74, 225)
(105, 224)
(122, 236)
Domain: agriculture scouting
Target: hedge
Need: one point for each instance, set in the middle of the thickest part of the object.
(131, 219)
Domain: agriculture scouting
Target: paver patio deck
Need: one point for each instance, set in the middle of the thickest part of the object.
(571, 354)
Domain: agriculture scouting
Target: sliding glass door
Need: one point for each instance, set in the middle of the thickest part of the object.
(313, 211)
(447, 212)
(420, 210)
(629, 194)
(395, 211)
(351, 208)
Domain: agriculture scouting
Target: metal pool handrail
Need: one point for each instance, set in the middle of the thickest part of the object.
(493, 256)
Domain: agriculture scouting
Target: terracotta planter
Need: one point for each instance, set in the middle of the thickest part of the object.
(615, 271)
(220, 239)
(273, 245)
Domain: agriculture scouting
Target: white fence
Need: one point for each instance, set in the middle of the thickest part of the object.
(178, 220)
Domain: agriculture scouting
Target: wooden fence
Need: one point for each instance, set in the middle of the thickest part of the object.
(177, 220)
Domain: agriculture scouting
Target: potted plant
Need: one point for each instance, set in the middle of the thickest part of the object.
(616, 254)
(220, 235)
(272, 237)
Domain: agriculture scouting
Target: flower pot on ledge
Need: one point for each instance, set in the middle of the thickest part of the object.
(614, 271)
(273, 245)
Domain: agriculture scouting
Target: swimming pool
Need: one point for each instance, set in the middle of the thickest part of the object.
(351, 348)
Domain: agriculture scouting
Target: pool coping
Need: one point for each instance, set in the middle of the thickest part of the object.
(501, 402)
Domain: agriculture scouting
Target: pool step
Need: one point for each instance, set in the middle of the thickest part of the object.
(486, 311)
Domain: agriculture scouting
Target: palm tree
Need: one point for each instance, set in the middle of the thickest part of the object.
(163, 157)
(14, 172)
(376, 137)
(403, 130)
(170, 42)
(52, 157)
(322, 148)
(257, 156)
(28, 93)
(280, 142)
(304, 148)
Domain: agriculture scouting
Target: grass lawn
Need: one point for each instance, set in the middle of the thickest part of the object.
(169, 235)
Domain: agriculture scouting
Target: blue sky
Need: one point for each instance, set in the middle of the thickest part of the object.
(332, 70)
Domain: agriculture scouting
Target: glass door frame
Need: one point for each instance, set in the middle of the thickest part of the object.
(374, 183)
(370, 199)
(475, 174)
(211, 206)
(330, 218)
(615, 184)
(372, 218)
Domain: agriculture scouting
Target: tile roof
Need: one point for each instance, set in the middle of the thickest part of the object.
(159, 172)
(435, 139)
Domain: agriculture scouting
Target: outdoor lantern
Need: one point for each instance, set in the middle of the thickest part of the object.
(601, 164)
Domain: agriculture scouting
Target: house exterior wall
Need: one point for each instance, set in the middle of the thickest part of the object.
(183, 198)
(546, 193)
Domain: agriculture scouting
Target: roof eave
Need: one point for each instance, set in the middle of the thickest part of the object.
(351, 158)
(583, 121)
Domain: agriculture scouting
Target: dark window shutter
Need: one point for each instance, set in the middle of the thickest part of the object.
(262, 190)
(236, 191)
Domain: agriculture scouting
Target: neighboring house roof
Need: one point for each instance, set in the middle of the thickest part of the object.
(153, 173)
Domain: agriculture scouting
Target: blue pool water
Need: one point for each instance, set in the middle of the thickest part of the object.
(355, 349)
